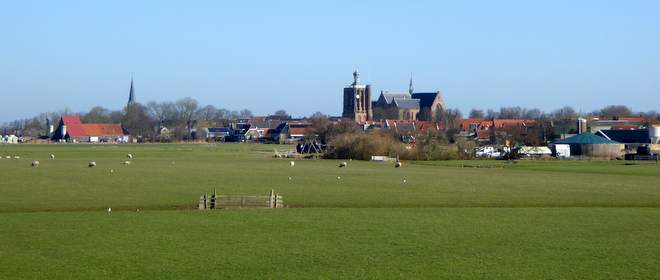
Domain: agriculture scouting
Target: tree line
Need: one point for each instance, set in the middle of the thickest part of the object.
(144, 120)
(180, 117)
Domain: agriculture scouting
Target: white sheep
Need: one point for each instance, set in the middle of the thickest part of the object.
(35, 163)
(130, 156)
(109, 210)
(7, 157)
(397, 164)
(92, 164)
(343, 164)
(128, 162)
(17, 157)
(292, 163)
(52, 156)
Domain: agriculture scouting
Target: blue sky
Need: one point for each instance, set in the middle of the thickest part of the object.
(298, 55)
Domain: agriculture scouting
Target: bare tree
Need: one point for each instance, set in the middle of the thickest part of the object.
(187, 108)
(245, 113)
(207, 113)
(614, 111)
(97, 114)
(476, 114)
(564, 113)
(492, 114)
(281, 113)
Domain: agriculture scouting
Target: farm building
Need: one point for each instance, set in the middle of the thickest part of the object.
(591, 146)
(72, 129)
(535, 151)
(9, 139)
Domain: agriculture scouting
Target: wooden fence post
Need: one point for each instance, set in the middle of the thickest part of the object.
(214, 199)
(200, 205)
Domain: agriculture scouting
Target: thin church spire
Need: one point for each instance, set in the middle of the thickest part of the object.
(131, 92)
(410, 87)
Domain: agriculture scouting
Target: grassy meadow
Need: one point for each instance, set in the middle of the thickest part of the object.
(426, 220)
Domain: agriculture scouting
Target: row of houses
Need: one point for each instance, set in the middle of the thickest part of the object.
(283, 131)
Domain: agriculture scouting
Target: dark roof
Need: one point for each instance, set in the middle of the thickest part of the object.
(586, 138)
(407, 103)
(626, 136)
(389, 97)
(219, 129)
(425, 98)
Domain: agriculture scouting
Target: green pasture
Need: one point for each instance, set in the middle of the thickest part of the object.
(448, 219)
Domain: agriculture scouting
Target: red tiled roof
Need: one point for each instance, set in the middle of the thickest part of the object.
(630, 119)
(625, 127)
(298, 130)
(75, 128)
(97, 129)
(73, 119)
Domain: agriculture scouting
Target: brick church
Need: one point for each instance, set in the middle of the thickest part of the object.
(421, 106)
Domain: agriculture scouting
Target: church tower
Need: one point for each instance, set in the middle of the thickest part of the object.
(357, 100)
(131, 94)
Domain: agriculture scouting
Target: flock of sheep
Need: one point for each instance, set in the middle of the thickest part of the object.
(36, 163)
(343, 164)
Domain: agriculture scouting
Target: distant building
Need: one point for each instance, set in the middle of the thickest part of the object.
(490, 130)
(422, 106)
(357, 100)
(70, 128)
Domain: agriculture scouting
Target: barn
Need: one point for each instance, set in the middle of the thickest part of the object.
(591, 146)
(71, 129)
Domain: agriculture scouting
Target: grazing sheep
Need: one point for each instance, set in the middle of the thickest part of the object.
(127, 162)
(17, 157)
(130, 156)
(35, 163)
(397, 164)
(92, 164)
(112, 171)
(109, 210)
(292, 163)
(343, 164)
(52, 156)
(7, 157)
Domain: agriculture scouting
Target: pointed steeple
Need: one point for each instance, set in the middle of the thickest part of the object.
(410, 87)
(131, 93)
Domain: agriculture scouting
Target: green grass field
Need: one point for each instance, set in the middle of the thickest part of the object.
(450, 219)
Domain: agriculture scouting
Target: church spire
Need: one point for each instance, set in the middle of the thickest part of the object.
(410, 87)
(356, 77)
(131, 93)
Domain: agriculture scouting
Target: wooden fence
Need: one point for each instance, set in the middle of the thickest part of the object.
(215, 201)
